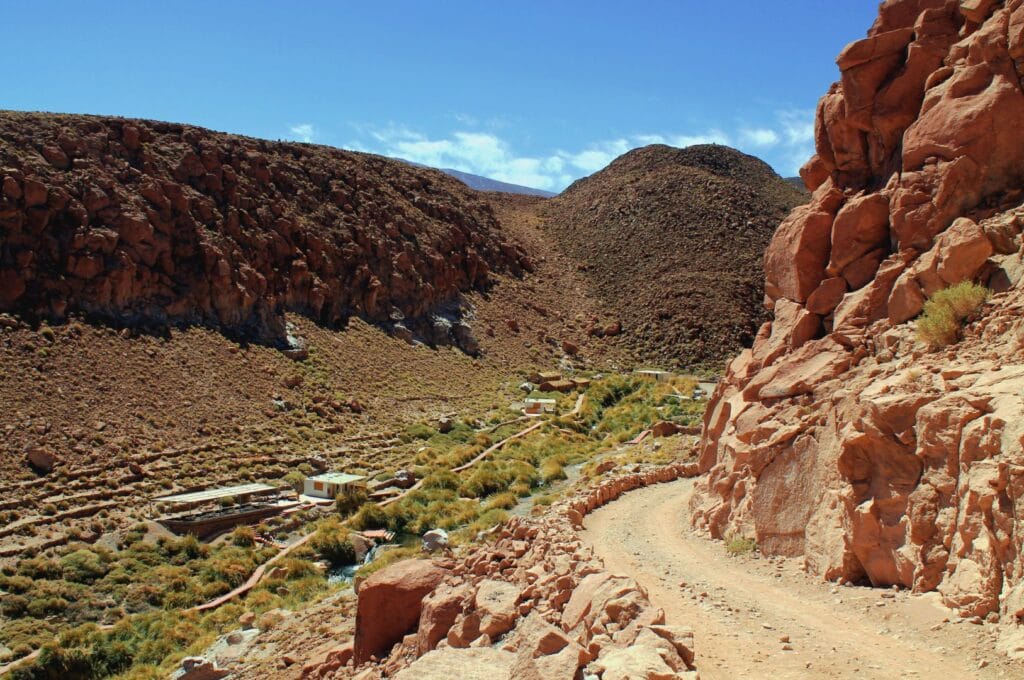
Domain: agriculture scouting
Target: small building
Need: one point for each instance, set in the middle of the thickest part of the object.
(534, 407)
(331, 484)
(225, 508)
(657, 376)
(557, 386)
(581, 383)
(538, 377)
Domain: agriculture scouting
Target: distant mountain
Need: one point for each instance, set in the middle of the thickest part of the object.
(486, 183)
(798, 182)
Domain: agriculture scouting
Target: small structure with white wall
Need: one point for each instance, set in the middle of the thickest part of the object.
(534, 407)
(330, 485)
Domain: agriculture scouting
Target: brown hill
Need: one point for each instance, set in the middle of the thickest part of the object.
(850, 433)
(150, 223)
(671, 241)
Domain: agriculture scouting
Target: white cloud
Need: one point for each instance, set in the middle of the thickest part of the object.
(304, 132)
(786, 144)
(760, 137)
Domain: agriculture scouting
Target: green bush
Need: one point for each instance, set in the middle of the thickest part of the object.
(944, 312)
(296, 480)
(739, 545)
(503, 501)
(552, 469)
(370, 516)
(350, 500)
(82, 566)
(418, 431)
(13, 606)
(332, 543)
(243, 537)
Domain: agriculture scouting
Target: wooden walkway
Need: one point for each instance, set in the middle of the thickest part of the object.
(253, 580)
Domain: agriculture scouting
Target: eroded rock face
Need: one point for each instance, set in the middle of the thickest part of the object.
(852, 445)
(148, 223)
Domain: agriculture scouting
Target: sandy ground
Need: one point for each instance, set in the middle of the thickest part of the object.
(761, 617)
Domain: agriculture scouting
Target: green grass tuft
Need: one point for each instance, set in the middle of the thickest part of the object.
(944, 312)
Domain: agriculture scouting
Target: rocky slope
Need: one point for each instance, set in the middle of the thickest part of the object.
(671, 241)
(533, 604)
(839, 436)
(149, 223)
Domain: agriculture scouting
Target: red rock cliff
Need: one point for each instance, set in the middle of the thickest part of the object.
(152, 223)
(839, 436)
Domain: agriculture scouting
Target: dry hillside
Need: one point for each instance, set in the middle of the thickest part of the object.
(671, 242)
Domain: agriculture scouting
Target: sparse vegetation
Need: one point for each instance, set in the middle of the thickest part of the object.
(740, 545)
(940, 323)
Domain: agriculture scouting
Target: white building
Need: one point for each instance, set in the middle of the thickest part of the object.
(534, 407)
(330, 484)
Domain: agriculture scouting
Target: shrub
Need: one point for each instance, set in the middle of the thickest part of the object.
(82, 566)
(243, 537)
(739, 545)
(332, 543)
(296, 480)
(13, 606)
(418, 431)
(939, 324)
(16, 584)
(370, 516)
(502, 501)
(552, 469)
(350, 500)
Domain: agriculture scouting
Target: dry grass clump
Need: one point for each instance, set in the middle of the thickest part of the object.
(740, 545)
(945, 311)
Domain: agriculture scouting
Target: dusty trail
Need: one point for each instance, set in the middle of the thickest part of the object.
(746, 611)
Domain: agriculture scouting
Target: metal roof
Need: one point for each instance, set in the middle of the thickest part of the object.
(337, 478)
(215, 494)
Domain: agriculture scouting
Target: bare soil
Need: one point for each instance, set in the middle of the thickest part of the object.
(746, 610)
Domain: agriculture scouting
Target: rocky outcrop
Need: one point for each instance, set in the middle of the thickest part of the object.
(147, 223)
(838, 436)
(535, 604)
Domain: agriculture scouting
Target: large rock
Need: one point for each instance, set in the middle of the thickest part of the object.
(483, 663)
(41, 458)
(496, 604)
(863, 451)
(389, 605)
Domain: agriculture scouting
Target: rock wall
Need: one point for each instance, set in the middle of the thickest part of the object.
(535, 604)
(839, 436)
(148, 223)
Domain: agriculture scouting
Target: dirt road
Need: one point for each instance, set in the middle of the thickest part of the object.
(756, 617)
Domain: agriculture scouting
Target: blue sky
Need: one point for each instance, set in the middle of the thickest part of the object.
(535, 93)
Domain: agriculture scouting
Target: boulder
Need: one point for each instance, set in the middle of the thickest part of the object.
(438, 614)
(199, 668)
(435, 539)
(390, 603)
(41, 458)
(471, 663)
(635, 662)
(496, 603)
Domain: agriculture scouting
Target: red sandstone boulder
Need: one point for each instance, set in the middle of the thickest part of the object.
(390, 603)
(496, 604)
